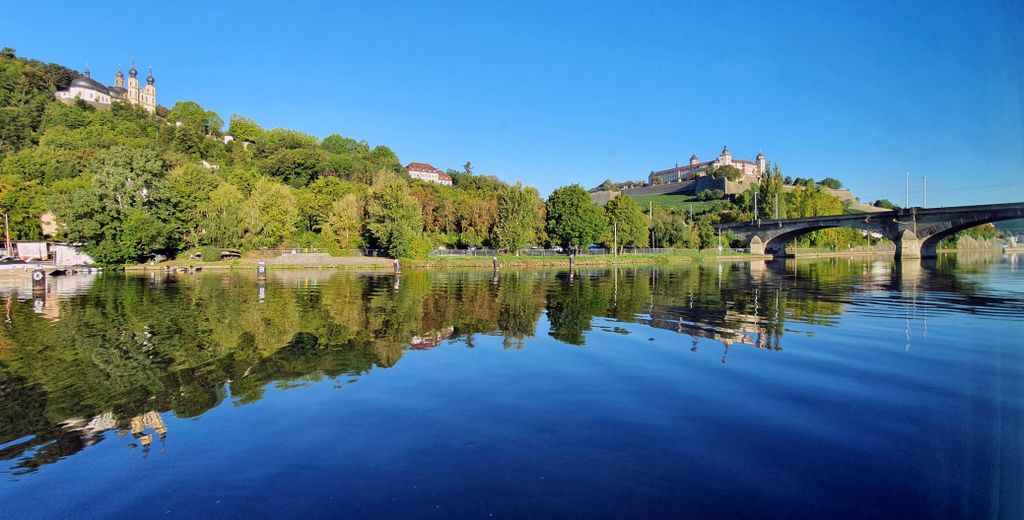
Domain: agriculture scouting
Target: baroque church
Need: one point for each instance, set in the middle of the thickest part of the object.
(100, 96)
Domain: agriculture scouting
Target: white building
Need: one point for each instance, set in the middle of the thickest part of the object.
(426, 172)
(95, 93)
(696, 168)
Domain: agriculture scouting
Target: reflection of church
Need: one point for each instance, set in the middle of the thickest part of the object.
(142, 427)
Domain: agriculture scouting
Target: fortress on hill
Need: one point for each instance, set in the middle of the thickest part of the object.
(95, 93)
(751, 169)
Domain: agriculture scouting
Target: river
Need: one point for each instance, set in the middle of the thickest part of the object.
(852, 387)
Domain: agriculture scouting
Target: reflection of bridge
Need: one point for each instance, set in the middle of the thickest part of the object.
(915, 231)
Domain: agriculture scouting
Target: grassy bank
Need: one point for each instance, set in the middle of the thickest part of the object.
(515, 262)
(448, 262)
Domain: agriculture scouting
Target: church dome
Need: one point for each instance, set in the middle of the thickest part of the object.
(88, 83)
(149, 79)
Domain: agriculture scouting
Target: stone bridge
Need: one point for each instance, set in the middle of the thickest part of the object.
(915, 231)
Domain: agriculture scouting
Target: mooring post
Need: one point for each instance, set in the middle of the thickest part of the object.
(572, 261)
(496, 265)
(261, 270)
(38, 280)
(398, 267)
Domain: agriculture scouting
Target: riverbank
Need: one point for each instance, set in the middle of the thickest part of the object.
(365, 263)
(323, 261)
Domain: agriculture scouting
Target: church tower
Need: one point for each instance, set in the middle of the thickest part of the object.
(133, 84)
(119, 78)
(149, 93)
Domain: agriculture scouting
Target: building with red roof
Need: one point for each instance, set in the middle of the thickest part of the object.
(426, 172)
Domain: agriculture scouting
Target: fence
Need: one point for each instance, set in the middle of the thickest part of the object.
(597, 251)
(269, 253)
(877, 248)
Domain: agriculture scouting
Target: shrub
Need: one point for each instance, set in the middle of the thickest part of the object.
(209, 253)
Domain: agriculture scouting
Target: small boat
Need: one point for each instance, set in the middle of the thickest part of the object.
(58, 272)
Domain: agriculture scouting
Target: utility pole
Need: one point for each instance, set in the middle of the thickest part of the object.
(650, 209)
(925, 180)
(7, 235)
(907, 203)
(615, 238)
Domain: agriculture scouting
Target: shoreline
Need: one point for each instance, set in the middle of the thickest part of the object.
(378, 265)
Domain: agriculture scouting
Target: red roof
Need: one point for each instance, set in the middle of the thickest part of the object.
(424, 167)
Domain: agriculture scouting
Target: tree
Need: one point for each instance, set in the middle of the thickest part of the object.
(393, 218)
(343, 220)
(572, 220)
(672, 230)
(624, 214)
(269, 214)
(831, 183)
(770, 193)
(296, 167)
(220, 217)
(186, 189)
(885, 203)
(337, 144)
(728, 172)
(119, 214)
(191, 115)
(518, 218)
(244, 129)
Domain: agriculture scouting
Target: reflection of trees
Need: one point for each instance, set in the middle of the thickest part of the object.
(131, 346)
(572, 303)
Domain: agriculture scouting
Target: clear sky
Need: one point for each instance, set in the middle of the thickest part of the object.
(552, 93)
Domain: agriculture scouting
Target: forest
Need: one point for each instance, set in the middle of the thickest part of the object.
(127, 186)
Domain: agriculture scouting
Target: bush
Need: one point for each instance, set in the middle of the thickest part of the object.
(420, 248)
(209, 253)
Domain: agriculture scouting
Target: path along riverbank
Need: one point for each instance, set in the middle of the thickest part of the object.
(363, 263)
(368, 263)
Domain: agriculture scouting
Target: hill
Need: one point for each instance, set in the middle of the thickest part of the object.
(127, 184)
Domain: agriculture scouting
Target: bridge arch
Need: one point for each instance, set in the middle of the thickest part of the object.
(915, 231)
(930, 243)
(774, 242)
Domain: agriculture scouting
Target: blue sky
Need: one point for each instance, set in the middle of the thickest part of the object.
(552, 93)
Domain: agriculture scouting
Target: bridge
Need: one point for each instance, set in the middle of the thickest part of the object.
(915, 231)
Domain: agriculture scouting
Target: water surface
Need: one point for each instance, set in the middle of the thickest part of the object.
(839, 387)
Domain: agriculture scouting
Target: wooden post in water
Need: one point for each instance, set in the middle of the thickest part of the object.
(398, 267)
(261, 270)
(38, 280)
(497, 267)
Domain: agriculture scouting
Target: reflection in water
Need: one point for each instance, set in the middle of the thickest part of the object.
(114, 352)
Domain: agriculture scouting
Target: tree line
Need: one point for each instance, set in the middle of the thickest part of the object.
(128, 185)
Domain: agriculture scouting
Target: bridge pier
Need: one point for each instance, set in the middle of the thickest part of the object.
(908, 246)
(756, 246)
